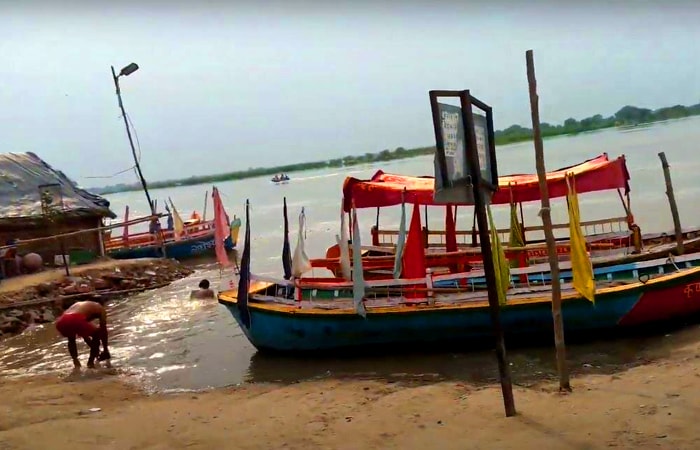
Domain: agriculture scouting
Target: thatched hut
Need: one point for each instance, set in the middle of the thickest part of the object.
(23, 215)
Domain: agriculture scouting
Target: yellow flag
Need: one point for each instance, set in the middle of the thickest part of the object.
(499, 261)
(178, 224)
(580, 262)
(516, 234)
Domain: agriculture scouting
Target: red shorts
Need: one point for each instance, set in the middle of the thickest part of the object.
(72, 324)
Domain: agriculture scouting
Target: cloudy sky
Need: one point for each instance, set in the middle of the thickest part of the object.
(225, 86)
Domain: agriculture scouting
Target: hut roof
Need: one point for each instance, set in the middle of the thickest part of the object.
(21, 174)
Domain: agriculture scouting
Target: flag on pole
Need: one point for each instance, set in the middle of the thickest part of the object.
(400, 240)
(358, 277)
(580, 261)
(221, 229)
(500, 262)
(286, 251)
(344, 248)
(300, 262)
(178, 224)
(244, 277)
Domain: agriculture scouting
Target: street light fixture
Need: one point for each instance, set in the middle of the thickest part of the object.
(128, 70)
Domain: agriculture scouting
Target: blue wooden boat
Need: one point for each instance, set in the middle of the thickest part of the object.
(321, 318)
(180, 250)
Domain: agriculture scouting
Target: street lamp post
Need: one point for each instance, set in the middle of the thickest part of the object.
(125, 72)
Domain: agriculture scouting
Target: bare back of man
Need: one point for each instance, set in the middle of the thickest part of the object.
(77, 321)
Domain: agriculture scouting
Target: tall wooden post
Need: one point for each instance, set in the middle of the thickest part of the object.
(545, 212)
(487, 256)
(672, 203)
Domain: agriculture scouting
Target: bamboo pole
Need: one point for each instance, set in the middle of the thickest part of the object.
(204, 212)
(564, 383)
(672, 203)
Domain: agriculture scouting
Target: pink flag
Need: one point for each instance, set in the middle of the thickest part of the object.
(221, 228)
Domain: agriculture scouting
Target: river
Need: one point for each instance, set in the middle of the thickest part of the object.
(169, 342)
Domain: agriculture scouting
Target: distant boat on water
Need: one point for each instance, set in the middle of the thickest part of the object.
(281, 178)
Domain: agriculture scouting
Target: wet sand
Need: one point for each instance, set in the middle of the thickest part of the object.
(652, 405)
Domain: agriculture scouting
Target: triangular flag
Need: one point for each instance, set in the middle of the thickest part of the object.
(358, 276)
(221, 229)
(414, 253)
(500, 262)
(300, 262)
(286, 252)
(244, 277)
(344, 247)
(400, 242)
(178, 224)
(450, 230)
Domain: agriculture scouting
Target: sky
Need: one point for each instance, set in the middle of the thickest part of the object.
(225, 86)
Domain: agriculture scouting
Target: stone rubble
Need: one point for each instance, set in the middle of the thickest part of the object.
(48, 300)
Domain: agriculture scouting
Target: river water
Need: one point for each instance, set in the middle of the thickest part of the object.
(169, 342)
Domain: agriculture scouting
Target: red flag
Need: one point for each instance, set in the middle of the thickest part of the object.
(221, 228)
(451, 235)
(450, 231)
(413, 252)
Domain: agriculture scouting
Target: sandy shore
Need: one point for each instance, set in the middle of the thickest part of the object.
(649, 406)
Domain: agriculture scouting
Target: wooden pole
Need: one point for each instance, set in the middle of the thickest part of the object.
(485, 241)
(672, 203)
(204, 211)
(100, 238)
(564, 383)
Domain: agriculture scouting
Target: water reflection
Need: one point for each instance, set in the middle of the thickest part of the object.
(528, 364)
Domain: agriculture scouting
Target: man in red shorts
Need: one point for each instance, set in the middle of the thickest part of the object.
(77, 321)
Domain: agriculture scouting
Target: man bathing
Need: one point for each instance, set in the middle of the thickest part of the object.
(77, 321)
(204, 291)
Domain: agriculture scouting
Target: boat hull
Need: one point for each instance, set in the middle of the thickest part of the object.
(180, 250)
(312, 330)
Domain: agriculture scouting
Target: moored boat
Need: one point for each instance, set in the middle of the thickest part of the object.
(180, 240)
(315, 323)
(303, 314)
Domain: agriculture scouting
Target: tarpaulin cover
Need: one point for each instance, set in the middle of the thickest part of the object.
(21, 174)
(384, 189)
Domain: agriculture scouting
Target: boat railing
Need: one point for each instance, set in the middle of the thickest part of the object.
(616, 226)
(427, 289)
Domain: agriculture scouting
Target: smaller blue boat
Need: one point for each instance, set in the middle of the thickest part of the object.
(180, 250)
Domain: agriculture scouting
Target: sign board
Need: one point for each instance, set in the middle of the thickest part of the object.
(453, 178)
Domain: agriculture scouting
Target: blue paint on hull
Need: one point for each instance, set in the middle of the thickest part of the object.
(304, 333)
(616, 272)
(180, 250)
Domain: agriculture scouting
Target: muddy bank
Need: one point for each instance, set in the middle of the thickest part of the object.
(40, 298)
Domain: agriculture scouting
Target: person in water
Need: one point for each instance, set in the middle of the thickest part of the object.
(204, 291)
(77, 321)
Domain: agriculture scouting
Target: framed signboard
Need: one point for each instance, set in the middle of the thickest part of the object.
(462, 140)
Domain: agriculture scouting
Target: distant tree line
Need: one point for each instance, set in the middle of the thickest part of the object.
(626, 116)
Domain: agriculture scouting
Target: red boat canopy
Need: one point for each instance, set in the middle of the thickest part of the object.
(384, 189)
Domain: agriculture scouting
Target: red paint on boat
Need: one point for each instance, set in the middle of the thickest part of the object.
(663, 304)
